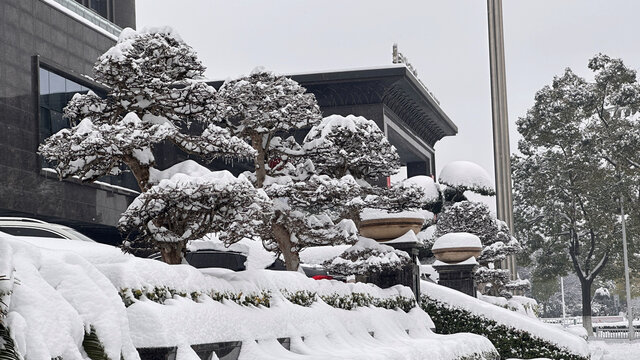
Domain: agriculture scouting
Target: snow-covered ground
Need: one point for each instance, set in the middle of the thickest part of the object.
(619, 350)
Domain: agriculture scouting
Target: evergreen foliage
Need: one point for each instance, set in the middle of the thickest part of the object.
(260, 108)
(8, 348)
(510, 342)
(579, 156)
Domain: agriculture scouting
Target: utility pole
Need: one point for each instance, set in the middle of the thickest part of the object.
(564, 314)
(626, 270)
(501, 150)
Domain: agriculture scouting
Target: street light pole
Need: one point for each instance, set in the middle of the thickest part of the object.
(626, 270)
(501, 150)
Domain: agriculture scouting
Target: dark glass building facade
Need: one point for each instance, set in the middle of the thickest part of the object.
(47, 48)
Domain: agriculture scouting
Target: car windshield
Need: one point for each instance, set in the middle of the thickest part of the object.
(78, 234)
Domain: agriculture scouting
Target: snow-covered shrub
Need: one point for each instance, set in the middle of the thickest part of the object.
(156, 94)
(460, 176)
(367, 257)
(470, 217)
(497, 244)
(186, 207)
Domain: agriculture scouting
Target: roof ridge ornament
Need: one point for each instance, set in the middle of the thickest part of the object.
(399, 58)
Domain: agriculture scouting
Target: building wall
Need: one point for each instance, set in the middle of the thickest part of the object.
(33, 31)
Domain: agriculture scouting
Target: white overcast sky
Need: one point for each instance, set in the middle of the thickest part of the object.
(446, 41)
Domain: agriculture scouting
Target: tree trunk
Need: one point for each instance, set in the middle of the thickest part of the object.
(261, 171)
(172, 252)
(586, 306)
(141, 172)
(283, 237)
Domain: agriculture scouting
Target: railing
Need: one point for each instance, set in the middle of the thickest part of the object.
(612, 333)
(91, 16)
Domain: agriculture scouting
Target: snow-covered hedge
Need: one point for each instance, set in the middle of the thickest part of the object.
(66, 305)
(514, 335)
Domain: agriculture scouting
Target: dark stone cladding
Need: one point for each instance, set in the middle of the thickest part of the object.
(124, 13)
(32, 31)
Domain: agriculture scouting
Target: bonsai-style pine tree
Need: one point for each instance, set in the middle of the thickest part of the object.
(353, 145)
(156, 95)
(262, 108)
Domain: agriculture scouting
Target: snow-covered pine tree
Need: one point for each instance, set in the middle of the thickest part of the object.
(156, 94)
(261, 108)
(353, 145)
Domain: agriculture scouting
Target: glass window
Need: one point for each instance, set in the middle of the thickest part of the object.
(55, 92)
(25, 231)
(99, 6)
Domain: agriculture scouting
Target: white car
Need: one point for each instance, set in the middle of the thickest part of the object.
(26, 227)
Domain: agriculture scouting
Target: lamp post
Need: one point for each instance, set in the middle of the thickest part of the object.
(501, 150)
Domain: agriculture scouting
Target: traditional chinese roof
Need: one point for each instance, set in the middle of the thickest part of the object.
(394, 86)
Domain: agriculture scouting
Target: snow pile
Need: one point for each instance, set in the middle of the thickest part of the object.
(59, 297)
(456, 299)
(519, 304)
(466, 175)
(317, 255)
(457, 240)
(373, 214)
(408, 237)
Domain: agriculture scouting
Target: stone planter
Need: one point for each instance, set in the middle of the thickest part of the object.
(389, 228)
(456, 254)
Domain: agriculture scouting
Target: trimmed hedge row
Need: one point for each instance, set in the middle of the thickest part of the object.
(300, 297)
(510, 342)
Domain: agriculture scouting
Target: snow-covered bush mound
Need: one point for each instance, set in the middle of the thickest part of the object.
(191, 201)
(513, 334)
(457, 240)
(368, 256)
(465, 175)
